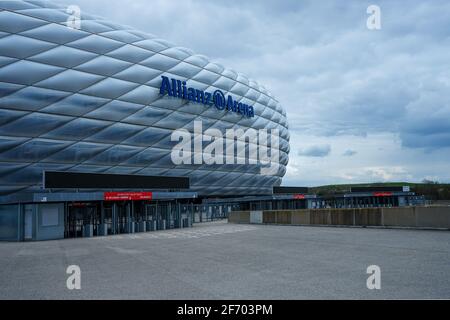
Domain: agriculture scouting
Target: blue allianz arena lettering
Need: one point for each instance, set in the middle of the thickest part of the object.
(178, 89)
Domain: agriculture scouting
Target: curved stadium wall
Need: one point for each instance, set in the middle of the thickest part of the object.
(88, 100)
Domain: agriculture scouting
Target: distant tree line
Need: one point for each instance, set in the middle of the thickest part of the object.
(433, 190)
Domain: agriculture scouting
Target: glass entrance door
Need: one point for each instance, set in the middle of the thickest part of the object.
(81, 217)
(74, 222)
(123, 218)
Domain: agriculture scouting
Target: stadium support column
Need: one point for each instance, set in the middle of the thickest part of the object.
(169, 216)
(179, 217)
(114, 218)
(20, 223)
(130, 223)
(102, 227)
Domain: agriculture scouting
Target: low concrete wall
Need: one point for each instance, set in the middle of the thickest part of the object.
(284, 217)
(400, 217)
(301, 217)
(321, 216)
(433, 217)
(414, 217)
(268, 217)
(240, 217)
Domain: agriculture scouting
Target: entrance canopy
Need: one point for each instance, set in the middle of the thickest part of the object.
(94, 196)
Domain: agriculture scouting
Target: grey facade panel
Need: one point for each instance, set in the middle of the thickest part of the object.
(88, 101)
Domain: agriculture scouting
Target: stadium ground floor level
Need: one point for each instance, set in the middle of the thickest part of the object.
(49, 216)
(46, 221)
(313, 201)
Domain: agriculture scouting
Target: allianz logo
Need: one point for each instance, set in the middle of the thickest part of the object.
(178, 89)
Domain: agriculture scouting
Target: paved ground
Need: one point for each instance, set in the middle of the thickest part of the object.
(228, 261)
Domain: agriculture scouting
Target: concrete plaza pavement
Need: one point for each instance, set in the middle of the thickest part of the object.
(229, 261)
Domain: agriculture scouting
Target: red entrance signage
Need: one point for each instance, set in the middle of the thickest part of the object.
(382, 194)
(130, 196)
(299, 196)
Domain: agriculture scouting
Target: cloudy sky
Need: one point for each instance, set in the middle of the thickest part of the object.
(363, 105)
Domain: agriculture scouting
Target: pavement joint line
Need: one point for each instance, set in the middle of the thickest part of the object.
(206, 231)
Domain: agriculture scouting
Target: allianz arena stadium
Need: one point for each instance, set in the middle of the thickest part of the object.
(90, 99)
